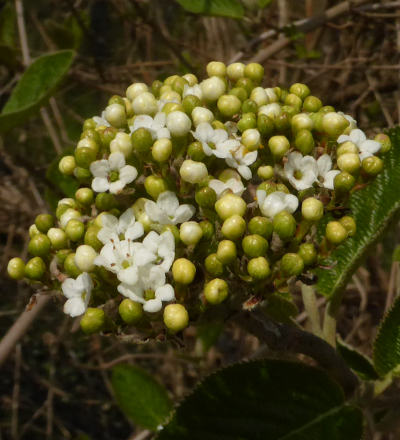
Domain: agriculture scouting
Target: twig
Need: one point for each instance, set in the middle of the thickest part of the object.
(15, 395)
(329, 326)
(311, 308)
(378, 97)
(392, 285)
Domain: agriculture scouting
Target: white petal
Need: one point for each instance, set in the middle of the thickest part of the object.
(165, 293)
(163, 133)
(143, 256)
(160, 120)
(245, 172)
(152, 305)
(357, 136)
(74, 307)
(100, 184)
(206, 149)
(141, 121)
(329, 179)
(70, 288)
(370, 146)
(109, 221)
(343, 138)
(127, 174)
(250, 158)
(292, 202)
(204, 131)
(218, 186)
(135, 293)
(116, 161)
(183, 214)
(168, 202)
(155, 213)
(261, 195)
(134, 232)
(324, 164)
(128, 275)
(219, 135)
(100, 168)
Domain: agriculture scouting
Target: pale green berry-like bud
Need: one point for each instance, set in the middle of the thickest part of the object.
(16, 268)
(292, 264)
(230, 204)
(39, 245)
(176, 317)
(33, 230)
(312, 209)
(85, 196)
(233, 227)
(327, 109)
(190, 233)
(346, 147)
(35, 268)
(128, 107)
(178, 85)
(229, 173)
(254, 245)
(344, 181)
(44, 222)
(91, 238)
(116, 115)
(265, 172)
(229, 105)
(293, 101)
(142, 140)
(89, 124)
(68, 215)
(208, 229)
(265, 125)
(93, 320)
(304, 141)
(178, 123)
(247, 121)
(174, 231)
(145, 104)
(279, 146)
(201, 114)
(216, 68)
(301, 121)
(272, 110)
(284, 225)
(193, 172)
(226, 252)
(190, 78)
(239, 92)
(135, 90)
(206, 197)
(259, 96)
(385, 141)
(67, 165)
(334, 124)
(213, 265)
(349, 162)
(84, 258)
(105, 201)
(122, 143)
(130, 311)
(84, 157)
(312, 104)
(171, 95)
(249, 106)
(83, 175)
(154, 186)
(301, 90)
(372, 165)
(89, 143)
(140, 213)
(212, 88)
(189, 103)
(251, 139)
(170, 79)
(235, 71)
(183, 271)
(75, 229)
(335, 232)
(255, 72)
(58, 238)
(308, 253)
(261, 226)
(161, 150)
(216, 291)
(349, 224)
(70, 267)
(258, 268)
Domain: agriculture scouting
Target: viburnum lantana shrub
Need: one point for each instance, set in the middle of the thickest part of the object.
(194, 194)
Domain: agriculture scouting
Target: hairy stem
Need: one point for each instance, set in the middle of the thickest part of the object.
(311, 308)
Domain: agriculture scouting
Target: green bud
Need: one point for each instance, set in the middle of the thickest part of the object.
(16, 268)
(92, 321)
(75, 229)
(208, 229)
(84, 258)
(105, 202)
(89, 144)
(84, 196)
(226, 252)
(161, 150)
(183, 271)
(265, 125)
(195, 151)
(213, 265)
(254, 245)
(116, 99)
(35, 268)
(349, 224)
(229, 205)
(89, 124)
(301, 121)
(308, 253)
(84, 157)
(142, 140)
(233, 227)
(33, 230)
(284, 225)
(92, 135)
(261, 226)
(282, 122)
(335, 232)
(334, 124)
(372, 165)
(39, 245)
(176, 317)
(344, 181)
(67, 165)
(282, 188)
(249, 106)
(58, 238)
(247, 121)
(301, 90)
(304, 141)
(190, 233)
(83, 175)
(216, 291)
(239, 92)
(70, 267)
(251, 139)
(229, 105)
(346, 147)
(279, 146)
(116, 115)
(312, 209)
(235, 71)
(155, 186)
(349, 162)
(311, 104)
(193, 172)
(255, 72)
(292, 264)
(327, 109)
(130, 311)
(155, 87)
(247, 84)
(189, 103)
(174, 231)
(384, 140)
(170, 107)
(290, 112)
(265, 172)
(61, 255)
(179, 84)
(216, 68)
(107, 135)
(258, 268)
(206, 197)
(44, 222)
(294, 101)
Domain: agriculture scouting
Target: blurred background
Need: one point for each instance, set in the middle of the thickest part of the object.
(56, 383)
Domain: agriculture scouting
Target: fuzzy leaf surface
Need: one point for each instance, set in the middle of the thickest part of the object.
(221, 8)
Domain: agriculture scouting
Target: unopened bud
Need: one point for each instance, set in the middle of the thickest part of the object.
(67, 165)
(349, 224)
(193, 172)
(93, 320)
(334, 124)
(301, 121)
(233, 227)
(251, 139)
(212, 88)
(84, 196)
(213, 265)
(161, 150)
(190, 233)
(39, 245)
(304, 141)
(308, 253)
(344, 181)
(254, 245)
(258, 268)
(35, 268)
(84, 258)
(70, 267)
(284, 225)
(255, 72)
(136, 89)
(58, 238)
(183, 271)
(155, 186)
(75, 229)
(384, 140)
(349, 162)
(206, 197)
(226, 252)
(235, 71)
(292, 264)
(312, 209)
(265, 172)
(145, 104)
(216, 291)
(261, 226)
(201, 114)
(346, 147)
(335, 232)
(16, 268)
(116, 115)
(176, 317)
(208, 229)
(312, 104)
(229, 205)
(372, 165)
(142, 140)
(229, 105)
(130, 311)
(122, 143)
(279, 146)
(105, 202)
(178, 123)
(44, 222)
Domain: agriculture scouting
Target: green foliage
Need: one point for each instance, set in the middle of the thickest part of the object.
(264, 3)
(268, 399)
(222, 8)
(372, 208)
(140, 397)
(35, 86)
(280, 308)
(7, 25)
(387, 344)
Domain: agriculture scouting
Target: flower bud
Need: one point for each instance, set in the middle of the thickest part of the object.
(279, 146)
(301, 121)
(284, 225)
(216, 291)
(70, 267)
(261, 226)
(384, 140)
(174, 231)
(334, 124)
(135, 90)
(213, 265)
(346, 147)
(239, 92)
(235, 71)
(169, 96)
(229, 205)
(161, 150)
(216, 68)
(206, 197)
(272, 110)
(335, 232)
(259, 96)
(67, 165)
(247, 121)
(251, 139)
(328, 109)
(201, 114)
(208, 229)
(44, 222)
(68, 215)
(311, 104)
(226, 252)
(294, 101)
(92, 321)
(254, 245)
(140, 213)
(83, 175)
(84, 196)
(178, 123)
(258, 268)
(212, 88)
(190, 233)
(189, 103)
(233, 227)
(282, 122)
(255, 72)
(58, 238)
(265, 172)
(249, 106)
(193, 172)
(190, 78)
(122, 143)
(265, 125)
(308, 253)
(183, 271)
(301, 90)
(84, 157)
(349, 162)
(178, 85)
(75, 229)
(344, 181)
(130, 311)
(39, 245)
(312, 209)
(89, 124)
(142, 140)
(145, 104)
(91, 238)
(229, 105)
(90, 144)
(16, 268)
(176, 317)
(105, 201)
(35, 268)
(116, 115)
(372, 165)
(292, 264)
(33, 230)
(349, 224)
(154, 186)
(304, 141)
(84, 258)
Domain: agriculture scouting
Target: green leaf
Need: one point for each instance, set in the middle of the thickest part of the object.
(140, 397)
(386, 354)
(359, 363)
(264, 3)
(372, 208)
(7, 24)
(35, 86)
(221, 8)
(266, 399)
(280, 309)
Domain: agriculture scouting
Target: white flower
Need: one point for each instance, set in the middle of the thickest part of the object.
(234, 185)
(113, 227)
(325, 171)
(301, 171)
(366, 146)
(352, 121)
(167, 210)
(276, 202)
(194, 90)
(112, 174)
(78, 293)
(241, 159)
(156, 125)
(207, 135)
(163, 248)
(101, 120)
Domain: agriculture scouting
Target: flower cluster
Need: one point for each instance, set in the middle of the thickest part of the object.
(194, 193)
